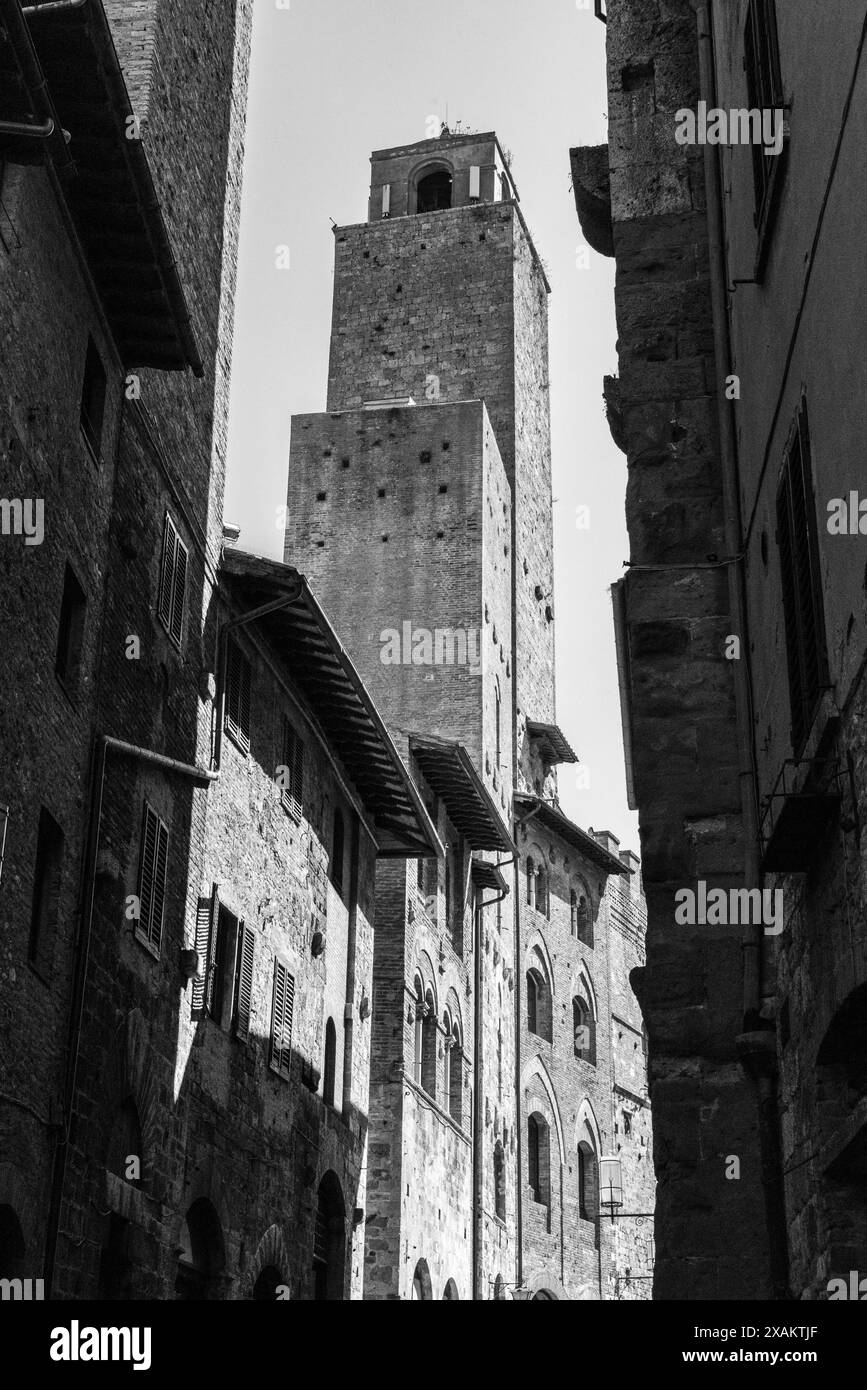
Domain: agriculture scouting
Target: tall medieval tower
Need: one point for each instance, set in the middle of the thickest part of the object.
(419, 507)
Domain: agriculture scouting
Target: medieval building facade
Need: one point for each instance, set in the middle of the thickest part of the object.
(310, 988)
(729, 194)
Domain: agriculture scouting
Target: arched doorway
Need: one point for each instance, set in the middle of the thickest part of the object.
(202, 1256)
(450, 1293)
(422, 1289)
(434, 192)
(329, 1241)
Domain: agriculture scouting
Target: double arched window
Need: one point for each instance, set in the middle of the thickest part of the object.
(538, 895)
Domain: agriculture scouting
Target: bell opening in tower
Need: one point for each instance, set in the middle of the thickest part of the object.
(435, 191)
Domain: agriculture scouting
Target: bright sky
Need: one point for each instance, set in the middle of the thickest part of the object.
(333, 80)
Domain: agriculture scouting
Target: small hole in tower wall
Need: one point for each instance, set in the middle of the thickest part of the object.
(321, 496)
(344, 463)
(444, 488)
(764, 547)
(380, 492)
(446, 446)
(424, 456)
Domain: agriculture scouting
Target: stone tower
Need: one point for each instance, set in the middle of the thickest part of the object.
(419, 507)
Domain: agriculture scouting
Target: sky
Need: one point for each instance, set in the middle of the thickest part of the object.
(333, 80)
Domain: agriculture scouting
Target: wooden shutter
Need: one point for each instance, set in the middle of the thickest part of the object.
(281, 1019)
(244, 986)
(159, 896)
(146, 871)
(293, 760)
(238, 693)
(206, 918)
(386, 200)
(179, 590)
(475, 181)
(168, 567)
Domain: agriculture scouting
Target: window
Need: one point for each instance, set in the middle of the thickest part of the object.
(765, 92)
(538, 1159)
(281, 1020)
(291, 772)
(542, 899)
(454, 1070)
(475, 183)
(627, 1123)
(582, 920)
(153, 867)
(239, 679)
(46, 894)
(798, 541)
(92, 412)
(421, 1282)
(435, 192)
(330, 1068)
(429, 1046)
(584, 1031)
(70, 638)
(337, 840)
(454, 904)
(500, 1181)
(173, 582)
(226, 947)
(588, 1184)
(125, 1142)
(498, 713)
(417, 1033)
(531, 883)
(538, 1002)
(202, 1255)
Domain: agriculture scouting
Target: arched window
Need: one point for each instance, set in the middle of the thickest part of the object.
(434, 192)
(124, 1155)
(421, 1284)
(429, 1046)
(418, 1033)
(532, 1001)
(337, 842)
(584, 1030)
(330, 1067)
(450, 1293)
(202, 1257)
(499, 1289)
(539, 1008)
(588, 1184)
(500, 1181)
(539, 1159)
(454, 1069)
(582, 919)
(329, 1241)
(542, 900)
(531, 883)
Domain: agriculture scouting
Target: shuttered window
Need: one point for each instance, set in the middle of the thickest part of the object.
(239, 681)
(173, 582)
(281, 1019)
(798, 541)
(152, 879)
(243, 993)
(292, 771)
(206, 919)
(764, 88)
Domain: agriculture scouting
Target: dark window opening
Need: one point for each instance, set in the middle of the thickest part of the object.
(435, 192)
(268, 1281)
(201, 1258)
(765, 92)
(500, 1181)
(292, 772)
(115, 1265)
(797, 536)
(330, 1067)
(538, 1160)
(173, 582)
(329, 1241)
(282, 1007)
(73, 607)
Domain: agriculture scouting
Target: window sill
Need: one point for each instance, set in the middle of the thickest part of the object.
(148, 946)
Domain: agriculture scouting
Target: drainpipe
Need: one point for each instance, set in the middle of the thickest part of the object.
(519, 1118)
(757, 1047)
(105, 745)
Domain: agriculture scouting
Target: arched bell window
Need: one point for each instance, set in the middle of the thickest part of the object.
(434, 193)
